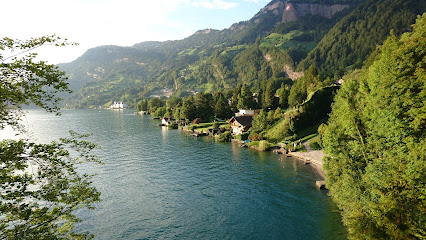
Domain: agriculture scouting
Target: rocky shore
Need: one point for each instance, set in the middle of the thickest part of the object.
(313, 157)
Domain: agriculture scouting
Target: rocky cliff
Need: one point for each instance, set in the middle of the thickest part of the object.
(294, 10)
(290, 11)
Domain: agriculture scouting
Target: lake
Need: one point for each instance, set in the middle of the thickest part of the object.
(164, 184)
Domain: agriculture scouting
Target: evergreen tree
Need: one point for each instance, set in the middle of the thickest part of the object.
(202, 104)
(245, 99)
(222, 109)
(234, 99)
(298, 92)
(269, 94)
(177, 112)
(283, 93)
(188, 109)
(142, 105)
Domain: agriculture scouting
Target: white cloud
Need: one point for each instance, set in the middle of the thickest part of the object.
(93, 23)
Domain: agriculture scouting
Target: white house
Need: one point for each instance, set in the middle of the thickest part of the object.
(240, 124)
(166, 121)
(246, 112)
(118, 105)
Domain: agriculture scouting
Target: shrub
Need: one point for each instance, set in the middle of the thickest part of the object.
(255, 137)
(264, 145)
(242, 137)
(215, 125)
(173, 126)
(224, 137)
(315, 145)
(197, 121)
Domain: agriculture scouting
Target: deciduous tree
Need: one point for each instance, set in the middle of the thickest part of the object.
(40, 186)
(376, 141)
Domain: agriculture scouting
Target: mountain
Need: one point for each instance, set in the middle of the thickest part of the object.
(280, 37)
(348, 44)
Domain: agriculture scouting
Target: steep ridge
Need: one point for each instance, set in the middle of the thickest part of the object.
(247, 52)
(355, 37)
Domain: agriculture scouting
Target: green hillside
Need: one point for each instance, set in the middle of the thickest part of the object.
(349, 43)
(249, 52)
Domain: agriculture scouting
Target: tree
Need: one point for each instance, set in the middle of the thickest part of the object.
(173, 102)
(234, 100)
(38, 204)
(142, 105)
(222, 109)
(187, 111)
(298, 92)
(155, 103)
(160, 112)
(376, 141)
(245, 99)
(203, 107)
(260, 122)
(177, 112)
(269, 94)
(283, 93)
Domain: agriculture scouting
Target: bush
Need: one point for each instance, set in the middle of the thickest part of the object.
(255, 137)
(173, 126)
(264, 145)
(224, 137)
(315, 145)
(242, 137)
(216, 125)
(197, 121)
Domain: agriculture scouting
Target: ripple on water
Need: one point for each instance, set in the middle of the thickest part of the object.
(161, 184)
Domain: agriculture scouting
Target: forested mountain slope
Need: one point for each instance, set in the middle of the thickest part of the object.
(355, 37)
(268, 46)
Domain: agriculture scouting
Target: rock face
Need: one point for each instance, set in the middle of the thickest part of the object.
(292, 11)
(291, 74)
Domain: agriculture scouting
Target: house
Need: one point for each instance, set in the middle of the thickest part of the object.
(118, 105)
(166, 121)
(246, 112)
(240, 124)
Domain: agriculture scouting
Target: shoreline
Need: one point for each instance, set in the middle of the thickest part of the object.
(311, 157)
(314, 158)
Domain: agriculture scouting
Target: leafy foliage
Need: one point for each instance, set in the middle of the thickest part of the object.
(24, 80)
(224, 137)
(39, 186)
(376, 142)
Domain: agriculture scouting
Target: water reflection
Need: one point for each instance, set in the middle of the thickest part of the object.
(193, 188)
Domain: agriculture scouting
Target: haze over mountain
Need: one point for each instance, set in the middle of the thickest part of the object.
(336, 36)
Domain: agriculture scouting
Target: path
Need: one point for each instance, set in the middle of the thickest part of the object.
(307, 146)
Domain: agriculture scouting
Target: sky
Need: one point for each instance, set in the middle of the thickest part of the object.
(92, 23)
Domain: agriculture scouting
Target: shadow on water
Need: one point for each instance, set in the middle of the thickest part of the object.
(160, 183)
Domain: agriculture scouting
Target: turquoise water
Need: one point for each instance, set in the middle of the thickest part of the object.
(164, 184)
